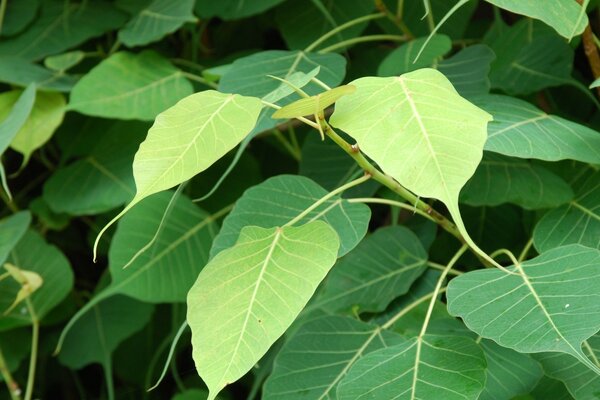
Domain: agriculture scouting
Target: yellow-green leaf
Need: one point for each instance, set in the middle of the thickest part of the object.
(313, 104)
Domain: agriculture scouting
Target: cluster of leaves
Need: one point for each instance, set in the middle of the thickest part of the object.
(325, 199)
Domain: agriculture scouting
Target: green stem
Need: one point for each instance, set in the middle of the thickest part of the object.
(35, 329)
(108, 375)
(409, 308)
(329, 195)
(506, 252)
(400, 9)
(526, 249)
(441, 267)
(396, 19)
(199, 79)
(438, 287)
(13, 387)
(393, 203)
(340, 28)
(2, 12)
(429, 15)
(363, 39)
(172, 348)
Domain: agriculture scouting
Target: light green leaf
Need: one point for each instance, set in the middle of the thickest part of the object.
(165, 271)
(432, 367)
(160, 18)
(401, 60)
(12, 230)
(61, 26)
(18, 15)
(566, 16)
(188, 138)
(13, 118)
(142, 86)
(549, 306)
(314, 104)
(267, 277)
(99, 333)
(22, 73)
(576, 222)
(63, 62)
(233, 9)
(103, 179)
(278, 200)
(317, 357)
(501, 179)
(468, 70)
(382, 267)
(519, 129)
(595, 84)
(419, 130)
(47, 114)
(581, 382)
(301, 22)
(509, 373)
(298, 79)
(33, 254)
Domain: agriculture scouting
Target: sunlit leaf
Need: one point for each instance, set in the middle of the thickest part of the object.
(267, 277)
(314, 104)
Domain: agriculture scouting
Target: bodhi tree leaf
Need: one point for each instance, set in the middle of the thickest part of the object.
(22, 73)
(160, 18)
(12, 230)
(142, 85)
(576, 222)
(431, 367)
(33, 254)
(233, 9)
(61, 26)
(313, 104)
(567, 17)
(547, 307)
(509, 373)
(501, 179)
(188, 138)
(382, 267)
(63, 62)
(328, 346)
(267, 277)
(18, 15)
(402, 59)
(419, 130)
(468, 70)
(519, 129)
(280, 199)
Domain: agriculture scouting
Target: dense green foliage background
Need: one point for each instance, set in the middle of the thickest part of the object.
(84, 83)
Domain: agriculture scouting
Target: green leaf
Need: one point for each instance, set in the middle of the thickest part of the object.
(61, 26)
(301, 22)
(500, 179)
(63, 62)
(267, 277)
(160, 18)
(508, 373)
(22, 73)
(99, 333)
(100, 181)
(382, 267)
(18, 15)
(576, 222)
(12, 230)
(519, 129)
(32, 253)
(566, 16)
(402, 59)
(191, 394)
(313, 104)
(297, 79)
(16, 346)
(279, 199)
(549, 389)
(142, 86)
(548, 306)
(468, 70)
(167, 269)
(317, 357)
(16, 116)
(431, 367)
(233, 9)
(419, 130)
(595, 84)
(529, 57)
(45, 116)
(579, 380)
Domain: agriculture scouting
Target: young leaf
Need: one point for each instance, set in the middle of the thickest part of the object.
(314, 360)
(381, 268)
(188, 138)
(431, 367)
(400, 60)
(142, 85)
(313, 104)
(419, 130)
(160, 18)
(548, 306)
(266, 279)
(279, 199)
(519, 129)
(63, 62)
